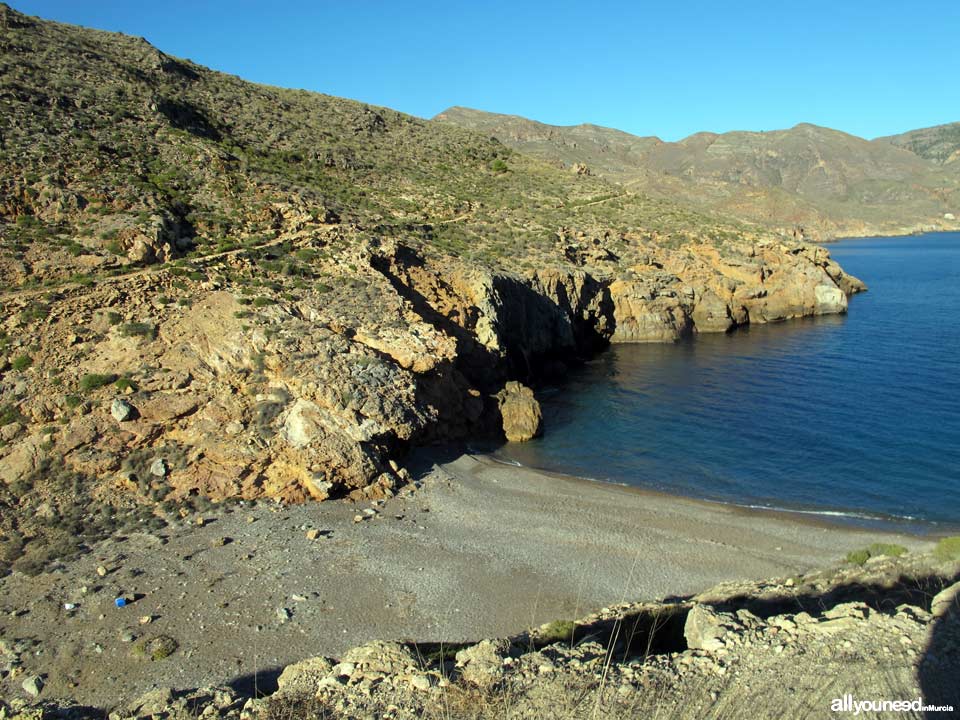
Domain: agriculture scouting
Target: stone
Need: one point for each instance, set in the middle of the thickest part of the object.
(704, 629)
(419, 682)
(158, 468)
(313, 534)
(153, 702)
(122, 410)
(520, 412)
(482, 664)
(33, 685)
(304, 677)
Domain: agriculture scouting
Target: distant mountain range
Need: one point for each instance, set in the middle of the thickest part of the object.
(827, 182)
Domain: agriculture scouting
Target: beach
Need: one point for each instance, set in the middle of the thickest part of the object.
(479, 549)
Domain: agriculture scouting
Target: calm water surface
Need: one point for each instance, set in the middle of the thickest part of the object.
(852, 415)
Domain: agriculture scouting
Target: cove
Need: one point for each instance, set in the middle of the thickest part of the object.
(852, 417)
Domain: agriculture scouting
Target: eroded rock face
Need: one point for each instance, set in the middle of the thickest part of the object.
(520, 412)
(316, 395)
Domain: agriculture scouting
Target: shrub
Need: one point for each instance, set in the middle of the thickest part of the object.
(859, 557)
(9, 414)
(156, 648)
(557, 631)
(92, 381)
(73, 401)
(125, 383)
(34, 311)
(261, 301)
(948, 549)
(498, 166)
(138, 329)
(22, 362)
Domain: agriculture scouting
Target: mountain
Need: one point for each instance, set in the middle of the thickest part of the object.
(940, 143)
(828, 182)
(216, 290)
(611, 153)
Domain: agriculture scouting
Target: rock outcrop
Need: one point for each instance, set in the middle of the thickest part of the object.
(522, 419)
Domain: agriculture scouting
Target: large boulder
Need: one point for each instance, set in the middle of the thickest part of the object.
(482, 664)
(522, 419)
(705, 628)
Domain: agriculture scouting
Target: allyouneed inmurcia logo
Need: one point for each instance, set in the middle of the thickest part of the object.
(848, 703)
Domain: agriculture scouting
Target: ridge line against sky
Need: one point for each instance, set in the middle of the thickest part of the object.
(665, 69)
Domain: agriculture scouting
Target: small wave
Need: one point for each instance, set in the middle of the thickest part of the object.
(511, 463)
(827, 513)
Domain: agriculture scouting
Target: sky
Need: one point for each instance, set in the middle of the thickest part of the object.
(651, 68)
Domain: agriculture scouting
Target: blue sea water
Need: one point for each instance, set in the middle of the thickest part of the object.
(853, 415)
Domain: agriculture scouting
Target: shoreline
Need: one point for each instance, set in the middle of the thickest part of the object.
(888, 525)
(915, 233)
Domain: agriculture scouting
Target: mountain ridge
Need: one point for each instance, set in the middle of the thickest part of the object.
(829, 182)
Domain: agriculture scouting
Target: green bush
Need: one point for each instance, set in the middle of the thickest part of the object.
(557, 631)
(261, 301)
(859, 557)
(22, 362)
(92, 381)
(138, 329)
(9, 414)
(125, 383)
(948, 549)
(498, 166)
(73, 401)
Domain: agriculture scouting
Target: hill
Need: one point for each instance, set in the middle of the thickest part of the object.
(940, 143)
(827, 182)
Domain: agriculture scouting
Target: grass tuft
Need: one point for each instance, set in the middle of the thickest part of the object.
(948, 549)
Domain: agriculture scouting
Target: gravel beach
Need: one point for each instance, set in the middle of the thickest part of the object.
(480, 549)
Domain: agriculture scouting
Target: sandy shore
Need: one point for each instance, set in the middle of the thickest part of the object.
(481, 549)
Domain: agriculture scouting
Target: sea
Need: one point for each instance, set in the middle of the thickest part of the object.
(852, 417)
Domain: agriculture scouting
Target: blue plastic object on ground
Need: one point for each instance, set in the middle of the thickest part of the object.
(120, 602)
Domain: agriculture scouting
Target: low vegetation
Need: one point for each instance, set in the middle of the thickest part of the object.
(948, 549)
(859, 557)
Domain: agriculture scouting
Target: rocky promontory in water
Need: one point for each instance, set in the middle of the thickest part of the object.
(219, 291)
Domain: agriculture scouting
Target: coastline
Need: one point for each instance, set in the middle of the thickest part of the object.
(478, 550)
(896, 526)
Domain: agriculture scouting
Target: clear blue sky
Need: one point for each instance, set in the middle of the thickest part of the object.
(666, 68)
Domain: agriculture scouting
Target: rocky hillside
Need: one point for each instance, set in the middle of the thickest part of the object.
(788, 647)
(822, 181)
(940, 143)
(220, 290)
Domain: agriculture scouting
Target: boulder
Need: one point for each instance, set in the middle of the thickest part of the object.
(520, 411)
(33, 685)
(482, 664)
(122, 410)
(303, 678)
(381, 657)
(704, 629)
